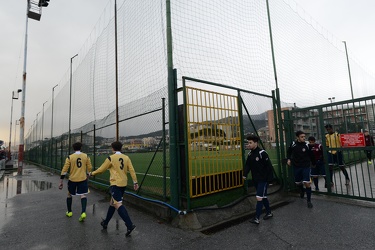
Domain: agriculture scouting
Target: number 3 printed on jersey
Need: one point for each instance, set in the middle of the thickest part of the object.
(122, 163)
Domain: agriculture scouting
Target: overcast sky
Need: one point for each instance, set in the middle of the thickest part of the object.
(347, 20)
(59, 35)
(66, 25)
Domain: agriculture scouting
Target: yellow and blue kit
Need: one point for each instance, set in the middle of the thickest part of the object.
(79, 165)
(118, 165)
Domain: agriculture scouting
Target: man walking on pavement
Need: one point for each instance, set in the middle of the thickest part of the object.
(301, 158)
(79, 165)
(258, 162)
(118, 165)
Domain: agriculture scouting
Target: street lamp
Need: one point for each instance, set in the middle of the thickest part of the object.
(53, 96)
(36, 128)
(70, 98)
(43, 131)
(350, 77)
(36, 16)
(332, 99)
(14, 96)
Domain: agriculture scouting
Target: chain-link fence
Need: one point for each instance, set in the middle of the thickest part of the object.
(220, 41)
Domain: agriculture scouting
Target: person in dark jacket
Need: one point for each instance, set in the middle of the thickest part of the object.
(301, 158)
(369, 140)
(260, 166)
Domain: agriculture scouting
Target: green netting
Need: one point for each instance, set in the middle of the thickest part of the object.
(219, 41)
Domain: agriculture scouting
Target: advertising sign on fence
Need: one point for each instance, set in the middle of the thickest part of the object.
(352, 140)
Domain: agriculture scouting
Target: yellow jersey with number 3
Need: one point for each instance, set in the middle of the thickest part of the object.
(118, 165)
(78, 164)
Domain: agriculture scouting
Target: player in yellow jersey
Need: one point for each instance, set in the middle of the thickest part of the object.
(118, 165)
(335, 156)
(79, 165)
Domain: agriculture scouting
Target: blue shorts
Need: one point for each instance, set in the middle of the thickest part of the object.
(78, 188)
(319, 169)
(301, 175)
(335, 159)
(261, 188)
(117, 194)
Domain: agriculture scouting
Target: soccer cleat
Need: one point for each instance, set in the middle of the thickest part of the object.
(103, 224)
(255, 220)
(309, 204)
(268, 216)
(129, 231)
(369, 162)
(347, 182)
(69, 214)
(317, 189)
(82, 217)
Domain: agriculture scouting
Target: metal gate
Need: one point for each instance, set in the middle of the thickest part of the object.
(212, 123)
(350, 119)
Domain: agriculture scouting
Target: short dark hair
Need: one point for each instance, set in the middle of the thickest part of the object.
(77, 146)
(253, 138)
(299, 132)
(117, 146)
(328, 126)
(311, 138)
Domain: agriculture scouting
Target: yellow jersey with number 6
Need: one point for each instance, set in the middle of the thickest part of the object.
(79, 165)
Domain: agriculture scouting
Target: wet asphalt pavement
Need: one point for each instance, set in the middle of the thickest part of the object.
(32, 216)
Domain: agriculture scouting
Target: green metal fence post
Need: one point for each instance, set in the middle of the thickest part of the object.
(164, 152)
(186, 148)
(50, 153)
(94, 162)
(61, 153)
(281, 165)
(239, 103)
(172, 104)
(325, 152)
(56, 155)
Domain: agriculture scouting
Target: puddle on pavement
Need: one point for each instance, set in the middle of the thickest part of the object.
(11, 186)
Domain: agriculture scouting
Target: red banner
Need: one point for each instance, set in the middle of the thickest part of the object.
(352, 140)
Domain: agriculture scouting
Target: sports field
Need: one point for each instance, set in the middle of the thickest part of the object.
(202, 163)
(148, 162)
